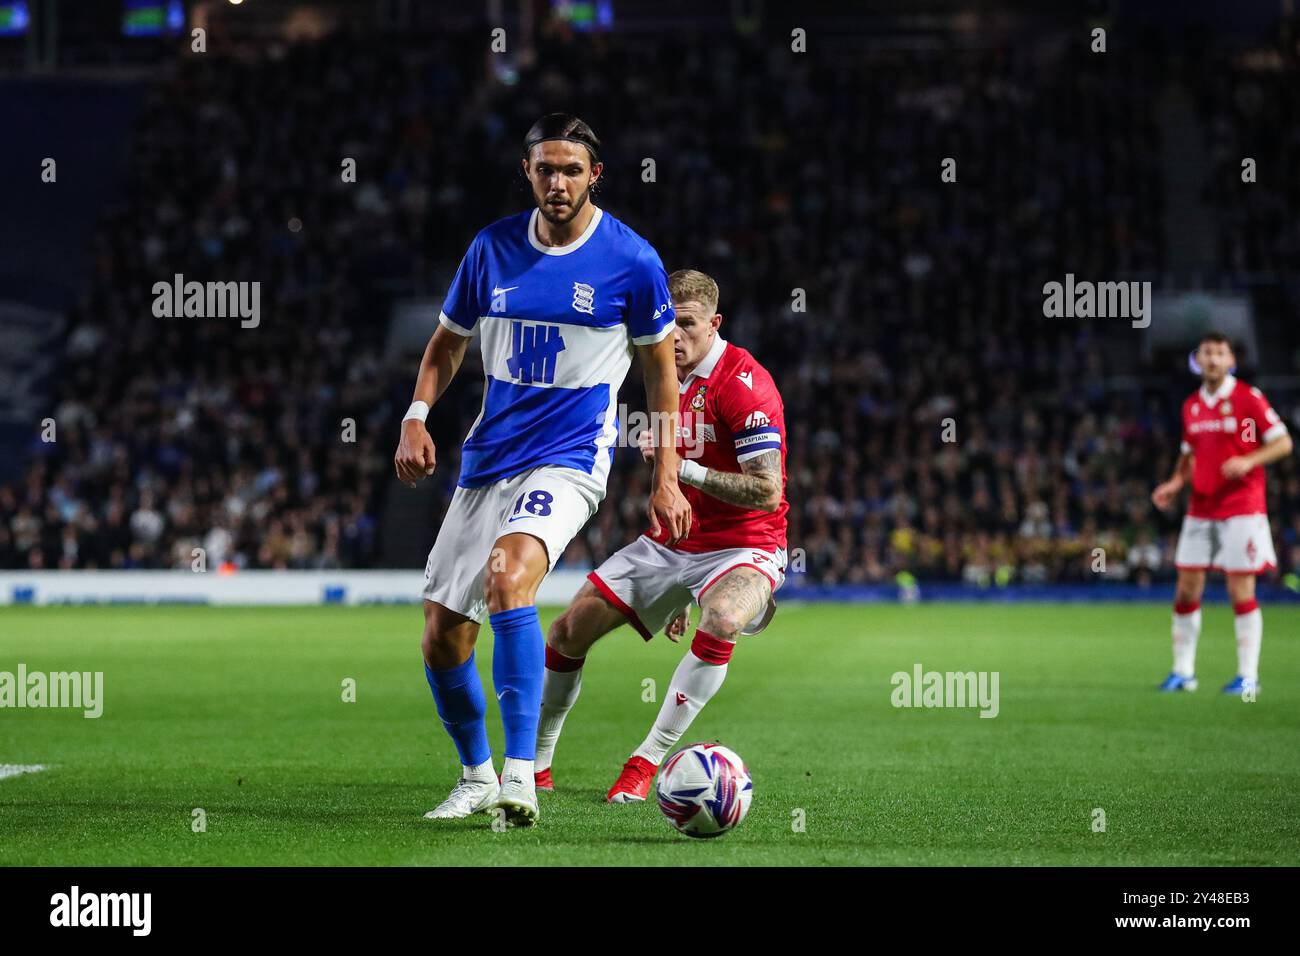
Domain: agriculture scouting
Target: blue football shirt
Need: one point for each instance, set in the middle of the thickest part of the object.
(556, 328)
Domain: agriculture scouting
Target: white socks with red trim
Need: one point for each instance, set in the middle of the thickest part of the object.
(560, 687)
(1187, 628)
(695, 681)
(1249, 625)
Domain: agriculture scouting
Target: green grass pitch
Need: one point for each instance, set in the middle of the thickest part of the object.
(240, 712)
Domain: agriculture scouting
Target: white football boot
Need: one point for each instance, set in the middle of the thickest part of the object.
(518, 798)
(467, 798)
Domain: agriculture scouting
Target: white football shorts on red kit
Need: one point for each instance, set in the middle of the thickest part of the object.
(650, 583)
(1242, 544)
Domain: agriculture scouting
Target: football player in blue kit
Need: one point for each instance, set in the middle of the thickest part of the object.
(560, 296)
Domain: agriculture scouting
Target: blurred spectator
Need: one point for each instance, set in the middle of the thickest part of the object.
(938, 425)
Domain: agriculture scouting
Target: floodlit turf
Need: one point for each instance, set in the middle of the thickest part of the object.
(239, 712)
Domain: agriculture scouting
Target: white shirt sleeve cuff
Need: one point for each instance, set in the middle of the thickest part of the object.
(1274, 433)
(656, 338)
(453, 326)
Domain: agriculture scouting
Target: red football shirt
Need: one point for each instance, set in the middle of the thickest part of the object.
(730, 411)
(1235, 420)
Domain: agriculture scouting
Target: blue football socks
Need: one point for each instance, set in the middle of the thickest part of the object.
(458, 694)
(518, 667)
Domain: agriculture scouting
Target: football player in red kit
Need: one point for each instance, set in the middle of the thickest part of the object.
(1230, 432)
(731, 439)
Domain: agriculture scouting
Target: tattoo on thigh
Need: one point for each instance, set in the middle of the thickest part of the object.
(735, 600)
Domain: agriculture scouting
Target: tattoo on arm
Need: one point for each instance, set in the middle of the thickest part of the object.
(757, 483)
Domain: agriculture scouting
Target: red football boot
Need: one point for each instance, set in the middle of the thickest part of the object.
(633, 784)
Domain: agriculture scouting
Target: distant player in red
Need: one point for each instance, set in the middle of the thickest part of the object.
(731, 439)
(1230, 432)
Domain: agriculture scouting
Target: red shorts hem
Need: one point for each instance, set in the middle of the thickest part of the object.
(608, 594)
(1262, 569)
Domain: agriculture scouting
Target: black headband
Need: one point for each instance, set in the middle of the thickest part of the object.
(528, 146)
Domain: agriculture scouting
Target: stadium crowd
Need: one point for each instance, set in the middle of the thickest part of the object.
(939, 426)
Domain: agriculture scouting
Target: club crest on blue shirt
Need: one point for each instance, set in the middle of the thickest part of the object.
(584, 298)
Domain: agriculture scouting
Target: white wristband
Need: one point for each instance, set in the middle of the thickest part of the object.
(418, 410)
(693, 473)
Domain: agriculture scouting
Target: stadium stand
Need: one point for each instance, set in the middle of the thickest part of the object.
(924, 299)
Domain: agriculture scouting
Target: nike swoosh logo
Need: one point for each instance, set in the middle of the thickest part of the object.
(503, 693)
(517, 518)
(497, 290)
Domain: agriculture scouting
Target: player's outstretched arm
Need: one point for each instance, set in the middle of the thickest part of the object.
(442, 357)
(757, 485)
(668, 506)
(1167, 491)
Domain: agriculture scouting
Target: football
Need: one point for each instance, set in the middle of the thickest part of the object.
(704, 790)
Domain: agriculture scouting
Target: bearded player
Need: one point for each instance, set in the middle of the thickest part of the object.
(732, 438)
(1230, 432)
(561, 295)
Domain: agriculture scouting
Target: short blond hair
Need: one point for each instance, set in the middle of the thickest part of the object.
(690, 285)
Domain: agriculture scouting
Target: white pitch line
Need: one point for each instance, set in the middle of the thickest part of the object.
(17, 769)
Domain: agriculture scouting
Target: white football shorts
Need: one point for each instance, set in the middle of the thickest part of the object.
(650, 583)
(1242, 544)
(550, 503)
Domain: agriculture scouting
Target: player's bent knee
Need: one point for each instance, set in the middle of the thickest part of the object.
(447, 640)
(443, 649)
(563, 639)
(558, 633)
(568, 636)
(721, 624)
(430, 647)
(507, 588)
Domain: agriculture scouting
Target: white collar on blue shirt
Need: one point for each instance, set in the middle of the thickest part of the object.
(573, 246)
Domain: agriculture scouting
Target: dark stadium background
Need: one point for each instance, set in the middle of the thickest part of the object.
(775, 171)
